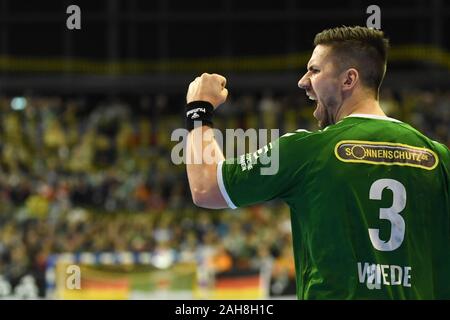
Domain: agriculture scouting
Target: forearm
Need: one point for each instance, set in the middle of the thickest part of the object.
(204, 94)
(203, 155)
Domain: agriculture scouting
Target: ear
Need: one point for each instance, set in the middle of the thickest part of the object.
(350, 78)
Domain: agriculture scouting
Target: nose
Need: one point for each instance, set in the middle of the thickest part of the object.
(304, 82)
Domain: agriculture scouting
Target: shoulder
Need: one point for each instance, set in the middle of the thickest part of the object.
(443, 151)
(292, 140)
(301, 134)
(291, 136)
(301, 145)
(305, 137)
(441, 147)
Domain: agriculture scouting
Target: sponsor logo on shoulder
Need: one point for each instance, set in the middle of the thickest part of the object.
(385, 153)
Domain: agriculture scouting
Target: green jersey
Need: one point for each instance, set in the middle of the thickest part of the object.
(370, 207)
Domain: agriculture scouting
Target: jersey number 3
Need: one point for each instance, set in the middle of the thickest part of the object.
(392, 214)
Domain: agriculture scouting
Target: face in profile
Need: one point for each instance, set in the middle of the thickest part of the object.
(322, 84)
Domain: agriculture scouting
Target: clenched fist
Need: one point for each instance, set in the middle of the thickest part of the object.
(208, 87)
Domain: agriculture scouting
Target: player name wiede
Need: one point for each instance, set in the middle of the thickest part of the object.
(374, 275)
(192, 310)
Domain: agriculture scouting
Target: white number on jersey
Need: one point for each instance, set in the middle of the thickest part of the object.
(392, 214)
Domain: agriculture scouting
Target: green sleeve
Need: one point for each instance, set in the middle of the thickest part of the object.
(269, 173)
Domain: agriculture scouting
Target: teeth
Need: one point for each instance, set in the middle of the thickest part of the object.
(310, 96)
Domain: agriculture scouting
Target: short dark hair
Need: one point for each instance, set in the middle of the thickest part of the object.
(362, 48)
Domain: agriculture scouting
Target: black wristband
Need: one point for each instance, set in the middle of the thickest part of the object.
(199, 113)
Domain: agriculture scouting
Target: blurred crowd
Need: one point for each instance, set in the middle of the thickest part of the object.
(95, 174)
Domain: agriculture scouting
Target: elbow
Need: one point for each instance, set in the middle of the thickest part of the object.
(203, 186)
(206, 194)
(207, 200)
(200, 199)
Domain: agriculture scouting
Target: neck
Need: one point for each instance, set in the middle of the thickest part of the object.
(363, 106)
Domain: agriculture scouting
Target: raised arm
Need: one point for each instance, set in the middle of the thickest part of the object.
(203, 152)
